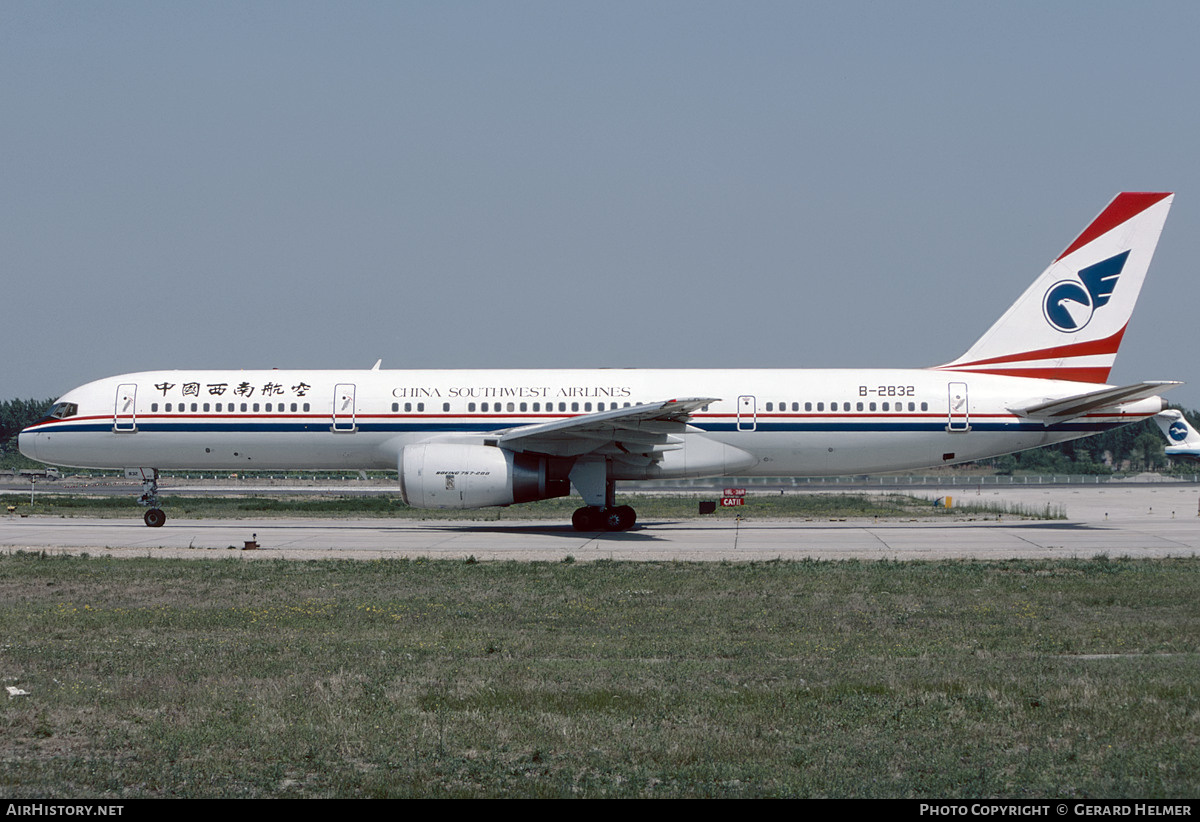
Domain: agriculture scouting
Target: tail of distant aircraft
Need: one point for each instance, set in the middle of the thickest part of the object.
(1182, 439)
(1069, 323)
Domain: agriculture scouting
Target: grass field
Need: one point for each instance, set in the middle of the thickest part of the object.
(790, 506)
(223, 678)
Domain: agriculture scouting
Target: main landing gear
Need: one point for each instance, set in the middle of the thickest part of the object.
(588, 518)
(154, 515)
(591, 479)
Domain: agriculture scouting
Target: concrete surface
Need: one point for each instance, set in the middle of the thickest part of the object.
(1140, 521)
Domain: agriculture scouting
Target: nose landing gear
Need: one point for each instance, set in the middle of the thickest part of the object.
(154, 516)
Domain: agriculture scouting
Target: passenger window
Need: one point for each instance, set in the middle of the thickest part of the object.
(512, 407)
(445, 406)
(471, 406)
(256, 407)
(153, 406)
(420, 406)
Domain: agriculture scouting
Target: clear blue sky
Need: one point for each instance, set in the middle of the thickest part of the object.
(550, 184)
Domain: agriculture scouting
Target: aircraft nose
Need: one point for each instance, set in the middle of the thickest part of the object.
(27, 443)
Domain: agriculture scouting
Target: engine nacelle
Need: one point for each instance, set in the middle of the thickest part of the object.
(462, 475)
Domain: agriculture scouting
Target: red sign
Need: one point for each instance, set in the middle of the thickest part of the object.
(730, 502)
(735, 492)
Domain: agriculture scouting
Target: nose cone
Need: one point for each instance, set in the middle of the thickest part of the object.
(27, 443)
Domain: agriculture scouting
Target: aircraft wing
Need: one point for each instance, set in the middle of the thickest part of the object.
(1063, 409)
(640, 430)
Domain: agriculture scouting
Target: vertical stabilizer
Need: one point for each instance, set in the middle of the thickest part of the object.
(1182, 439)
(1068, 325)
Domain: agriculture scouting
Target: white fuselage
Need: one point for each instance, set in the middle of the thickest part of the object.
(776, 422)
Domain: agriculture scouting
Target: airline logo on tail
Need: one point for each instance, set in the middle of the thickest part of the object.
(1182, 440)
(1069, 304)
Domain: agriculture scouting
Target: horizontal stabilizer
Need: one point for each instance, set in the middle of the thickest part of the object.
(1104, 400)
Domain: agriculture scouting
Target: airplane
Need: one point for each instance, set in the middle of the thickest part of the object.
(1183, 441)
(462, 439)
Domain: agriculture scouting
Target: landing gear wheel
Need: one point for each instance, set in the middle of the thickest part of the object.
(586, 519)
(620, 518)
(155, 517)
(625, 518)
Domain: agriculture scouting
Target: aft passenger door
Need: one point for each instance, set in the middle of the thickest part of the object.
(959, 418)
(125, 409)
(343, 408)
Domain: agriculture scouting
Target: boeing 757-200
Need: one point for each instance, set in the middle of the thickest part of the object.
(470, 439)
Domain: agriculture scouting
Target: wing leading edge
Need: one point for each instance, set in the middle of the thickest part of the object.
(643, 430)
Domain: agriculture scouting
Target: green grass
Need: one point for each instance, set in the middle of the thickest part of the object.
(791, 506)
(227, 678)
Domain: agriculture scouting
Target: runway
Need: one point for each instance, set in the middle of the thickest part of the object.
(1141, 521)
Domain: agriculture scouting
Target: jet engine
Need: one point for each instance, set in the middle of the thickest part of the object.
(465, 475)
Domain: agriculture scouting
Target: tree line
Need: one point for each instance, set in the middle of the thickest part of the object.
(1136, 447)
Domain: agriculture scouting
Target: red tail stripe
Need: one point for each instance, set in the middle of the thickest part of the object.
(1097, 375)
(1108, 345)
(1124, 206)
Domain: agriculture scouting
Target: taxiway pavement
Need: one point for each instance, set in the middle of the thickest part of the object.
(1138, 521)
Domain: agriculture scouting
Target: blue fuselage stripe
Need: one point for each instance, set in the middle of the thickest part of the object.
(432, 427)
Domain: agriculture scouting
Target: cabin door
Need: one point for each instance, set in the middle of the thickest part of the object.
(125, 408)
(959, 418)
(747, 415)
(343, 408)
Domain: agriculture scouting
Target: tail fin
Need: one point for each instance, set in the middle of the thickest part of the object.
(1069, 323)
(1182, 439)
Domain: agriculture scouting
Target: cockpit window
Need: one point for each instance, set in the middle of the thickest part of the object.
(62, 410)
